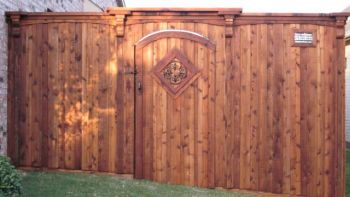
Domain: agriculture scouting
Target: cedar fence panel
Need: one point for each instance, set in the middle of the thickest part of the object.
(262, 113)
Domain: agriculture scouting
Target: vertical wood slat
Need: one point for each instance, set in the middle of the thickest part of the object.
(201, 165)
(304, 139)
(35, 104)
(229, 66)
(234, 96)
(112, 89)
(44, 94)
(54, 95)
(254, 104)
(173, 121)
(148, 129)
(314, 120)
(28, 96)
(245, 122)
(95, 80)
(103, 131)
(162, 44)
(219, 131)
(308, 119)
(187, 116)
(139, 136)
(119, 106)
(157, 116)
(277, 121)
(229, 114)
(320, 116)
(270, 106)
(86, 31)
(212, 117)
(286, 130)
(263, 139)
(128, 102)
(21, 76)
(70, 102)
(294, 93)
(78, 84)
(340, 111)
(329, 137)
(63, 62)
(87, 158)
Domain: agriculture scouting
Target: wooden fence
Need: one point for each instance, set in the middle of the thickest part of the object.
(206, 97)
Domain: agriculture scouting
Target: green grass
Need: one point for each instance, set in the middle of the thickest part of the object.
(58, 184)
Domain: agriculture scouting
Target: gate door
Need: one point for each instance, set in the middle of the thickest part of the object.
(174, 107)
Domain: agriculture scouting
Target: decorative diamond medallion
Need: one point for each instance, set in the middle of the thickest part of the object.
(175, 72)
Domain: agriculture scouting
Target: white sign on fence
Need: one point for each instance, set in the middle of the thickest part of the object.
(303, 38)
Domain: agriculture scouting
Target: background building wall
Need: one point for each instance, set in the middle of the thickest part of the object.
(90, 6)
(33, 6)
(347, 96)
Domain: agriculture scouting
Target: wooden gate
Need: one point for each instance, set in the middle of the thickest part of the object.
(174, 107)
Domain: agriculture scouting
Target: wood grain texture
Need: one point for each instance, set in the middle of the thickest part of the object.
(175, 131)
(263, 115)
(68, 106)
(293, 138)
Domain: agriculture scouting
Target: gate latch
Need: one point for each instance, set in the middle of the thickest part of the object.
(130, 72)
(139, 85)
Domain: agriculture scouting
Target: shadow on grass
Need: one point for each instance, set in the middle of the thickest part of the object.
(58, 184)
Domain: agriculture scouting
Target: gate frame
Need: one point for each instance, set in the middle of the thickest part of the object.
(138, 46)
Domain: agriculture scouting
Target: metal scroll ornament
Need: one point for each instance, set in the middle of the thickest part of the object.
(175, 73)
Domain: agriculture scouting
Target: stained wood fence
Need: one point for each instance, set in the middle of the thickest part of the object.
(251, 110)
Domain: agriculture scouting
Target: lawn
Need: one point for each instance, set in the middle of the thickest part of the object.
(58, 184)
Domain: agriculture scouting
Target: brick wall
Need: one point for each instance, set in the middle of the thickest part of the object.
(29, 6)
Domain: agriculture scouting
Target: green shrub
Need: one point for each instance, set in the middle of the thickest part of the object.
(10, 179)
